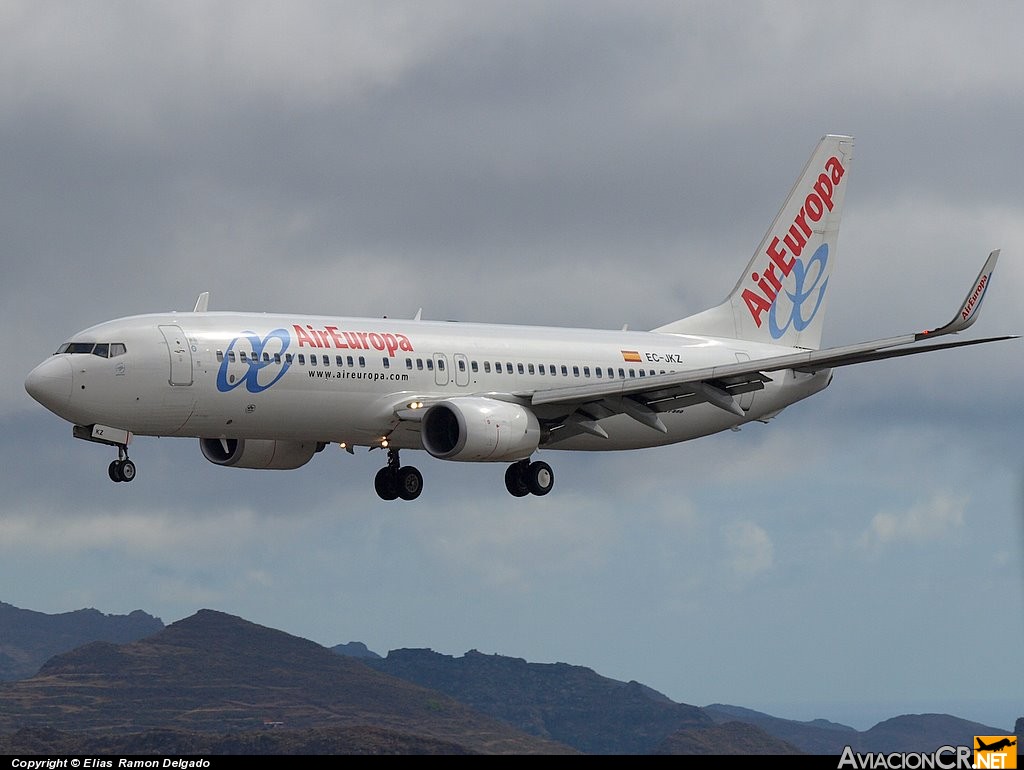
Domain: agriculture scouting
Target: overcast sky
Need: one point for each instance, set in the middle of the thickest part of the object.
(561, 163)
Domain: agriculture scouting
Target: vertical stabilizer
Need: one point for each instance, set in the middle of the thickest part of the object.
(781, 296)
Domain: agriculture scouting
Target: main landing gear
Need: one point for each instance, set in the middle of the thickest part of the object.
(521, 478)
(394, 481)
(121, 469)
(526, 478)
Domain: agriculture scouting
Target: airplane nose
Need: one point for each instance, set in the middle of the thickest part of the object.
(50, 383)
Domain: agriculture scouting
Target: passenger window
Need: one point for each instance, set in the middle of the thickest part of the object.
(565, 370)
(288, 358)
(508, 367)
(632, 373)
(220, 355)
(362, 361)
(540, 368)
(473, 365)
(242, 358)
(408, 363)
(521, 369)
(266, 358)
(586, 371)
(430, 364)
(487, 367)
(312, 360)
(462, 365)
(231, 356)
(350, 361)
(277, 358)
(597, 371)
(575, 371)
(622, 374)
(419, 364)
(339, 361)
(440, 364)
(387, 362)
(302, 359)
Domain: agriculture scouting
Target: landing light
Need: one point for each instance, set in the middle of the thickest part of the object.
(415, 404)
(384, 443)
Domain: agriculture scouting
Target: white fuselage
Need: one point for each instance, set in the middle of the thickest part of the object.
(304, 378)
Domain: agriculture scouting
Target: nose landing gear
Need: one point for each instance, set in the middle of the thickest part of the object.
(121, 469)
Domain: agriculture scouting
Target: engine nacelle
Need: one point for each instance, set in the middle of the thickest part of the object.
(258, 453)
(477, 429)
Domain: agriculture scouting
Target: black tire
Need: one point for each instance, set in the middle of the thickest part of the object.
(514, 481)
(539, 478)
(409, 483)
(127, 470)
(386, 484)
(114, 471)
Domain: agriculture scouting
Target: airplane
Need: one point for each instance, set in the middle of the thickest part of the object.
(1002, 743)
(266, 391)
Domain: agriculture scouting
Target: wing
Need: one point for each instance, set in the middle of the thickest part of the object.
(644, 398)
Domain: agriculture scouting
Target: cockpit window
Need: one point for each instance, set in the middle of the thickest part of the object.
(101, 349)
(76, 347)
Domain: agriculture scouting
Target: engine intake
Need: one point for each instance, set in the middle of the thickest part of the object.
(476, 429)
(258, 453)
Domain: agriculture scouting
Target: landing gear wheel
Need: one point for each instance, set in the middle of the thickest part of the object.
(121, 470)
(409, 482)
(386, 484)
(127, 470)
(539, 478)
(515, 482)
(394, 481)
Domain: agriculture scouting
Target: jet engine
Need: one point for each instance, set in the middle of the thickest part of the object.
(258, 453)
(475, 429)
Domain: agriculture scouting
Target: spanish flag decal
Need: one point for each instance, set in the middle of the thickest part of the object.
(631, 355)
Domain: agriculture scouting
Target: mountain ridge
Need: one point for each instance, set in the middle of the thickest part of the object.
(213, 672)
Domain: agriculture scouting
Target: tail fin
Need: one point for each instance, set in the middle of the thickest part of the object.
(781, 296)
